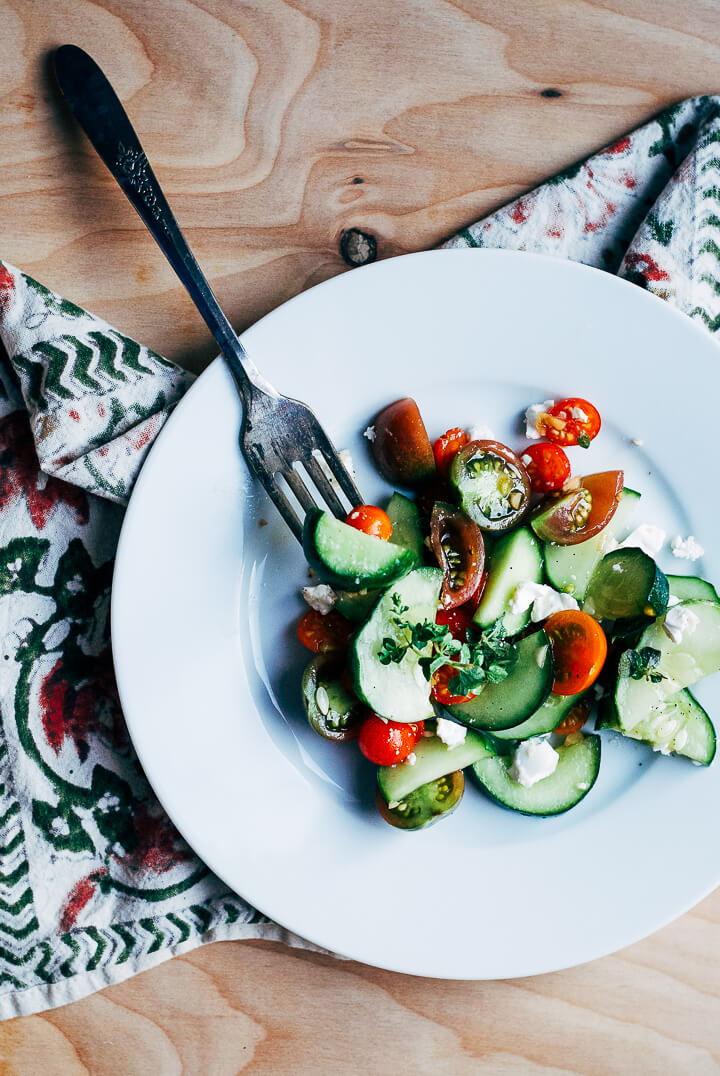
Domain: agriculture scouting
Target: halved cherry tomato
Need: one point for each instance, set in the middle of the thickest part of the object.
(324, 633)
(426, 804)
(418, 728)
(401, 446)
(579, 649)
(572, 421)
(574, 720)
(459, 547)
(547, 465)
(441, 687)
(446, 448)
(579, 514)
(370, 519)
(386, 742)
(460, 619)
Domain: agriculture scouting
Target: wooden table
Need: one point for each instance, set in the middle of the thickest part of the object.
(274, 126)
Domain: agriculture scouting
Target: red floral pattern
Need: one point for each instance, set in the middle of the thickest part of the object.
(20, 476)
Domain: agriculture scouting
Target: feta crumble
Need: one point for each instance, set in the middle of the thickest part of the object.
(531, 416)
(369, 432)
(686, 548)
(673, 600)
(647, 537)
(579, 414)
(679, 622)
(638, 441)
(534, 760)
(347, 461)
(452, 735)
(411, 759)
(541, 599)
(321, 598)
(481, 433)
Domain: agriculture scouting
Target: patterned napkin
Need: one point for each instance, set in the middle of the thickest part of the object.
(95, 883)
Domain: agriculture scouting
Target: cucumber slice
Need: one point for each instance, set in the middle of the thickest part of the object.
(545, 719)
(576, 773)
(405, 520)
(681, 727)
(356, 605)
(681, 665)
(398, 691)
(345, 557)
(686, 587)
(433, 759)
(627, 583)
(514, 699)
(569, 567)
(516, 558)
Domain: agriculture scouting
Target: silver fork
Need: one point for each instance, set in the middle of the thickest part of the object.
(280, 437)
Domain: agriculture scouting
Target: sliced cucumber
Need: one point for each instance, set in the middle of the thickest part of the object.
(680, 665)
(680, 727)
(576, 773)
(345, 557)
(516, 558)
(399, 690)
(356, 605)
(626, 583)
(433, 759)
(545, 719)
(686, 587)
(514, 699)
(569, 567)
(406, 529)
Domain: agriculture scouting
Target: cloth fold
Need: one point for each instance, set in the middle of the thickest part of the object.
(95, 882)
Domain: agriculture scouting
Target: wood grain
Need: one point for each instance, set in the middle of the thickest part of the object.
(274, 126)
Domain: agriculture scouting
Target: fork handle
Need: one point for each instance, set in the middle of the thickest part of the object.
(99, 112)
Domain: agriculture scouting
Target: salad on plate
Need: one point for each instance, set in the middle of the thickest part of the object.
(476, 622)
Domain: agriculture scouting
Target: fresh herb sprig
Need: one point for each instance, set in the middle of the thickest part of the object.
(642, 664)
(477, 661)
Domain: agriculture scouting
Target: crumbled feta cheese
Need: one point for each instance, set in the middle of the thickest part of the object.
(411, 759)
(679, 622)
(347, 461)
(321, 598)
(543, 599)
(583, 786)
(541, 655)
(579, 414)
(369, 433)
(534, 760)
(531, 417)
(637, 441)
(686, 548)
(481, 433)
(680, 740)
(647, 537)
(452, 735)
(526, 459)
(662, 749)
(672, 600)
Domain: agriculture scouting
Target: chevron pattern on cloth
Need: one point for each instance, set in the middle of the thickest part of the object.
(95, 882)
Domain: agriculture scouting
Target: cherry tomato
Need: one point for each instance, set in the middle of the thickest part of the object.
(386, 742)
(547, 466)
(492, 484)
(401, 446)
(572, 421)
(426, 804)
(441, 687)
(333, 710)
(579, 649)
(446, 448)
(579, 514)
(323, 634)
(574, 719)
(370, 520)
(460, 619)
(418, 728)
(458, 545)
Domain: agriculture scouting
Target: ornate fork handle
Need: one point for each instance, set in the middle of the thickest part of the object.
(99, 112)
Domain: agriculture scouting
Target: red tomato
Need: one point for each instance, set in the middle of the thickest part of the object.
(579, 649)
(418, 728)
(460, 619)
(322, 634)
(572, 421)
(459, 547)
(573, 517)
(386, 742)
(441, 687)
(548, 467)
(575, 719)
(401, 446)
(370, 520)
(447, 447)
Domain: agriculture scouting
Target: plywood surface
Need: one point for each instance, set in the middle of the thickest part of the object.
(274, 126)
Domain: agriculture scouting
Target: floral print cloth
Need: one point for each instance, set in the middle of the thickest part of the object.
(95, 882)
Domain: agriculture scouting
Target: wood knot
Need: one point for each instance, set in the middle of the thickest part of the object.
(551, 92)
(357, 247)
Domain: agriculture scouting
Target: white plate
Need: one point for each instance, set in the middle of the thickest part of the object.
(205, 604)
